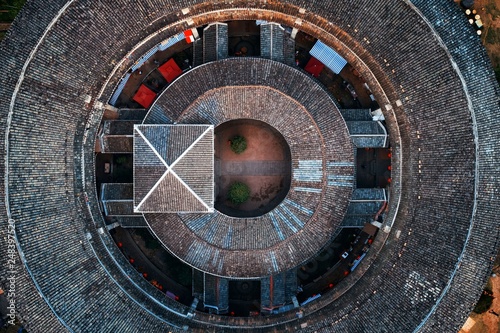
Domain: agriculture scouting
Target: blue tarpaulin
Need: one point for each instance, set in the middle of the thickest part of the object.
(328, 57)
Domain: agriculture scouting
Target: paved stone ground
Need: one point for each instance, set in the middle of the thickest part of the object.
(255, 168)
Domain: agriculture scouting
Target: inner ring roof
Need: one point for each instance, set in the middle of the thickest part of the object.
(322, 168)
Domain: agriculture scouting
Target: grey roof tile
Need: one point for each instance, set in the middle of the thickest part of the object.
(173, 168)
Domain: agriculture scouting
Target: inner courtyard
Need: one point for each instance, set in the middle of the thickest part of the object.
(265, 166)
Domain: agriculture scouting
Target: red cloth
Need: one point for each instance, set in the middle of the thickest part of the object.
(144, 96)
(314, 67)
(188, 34)
(169, 70)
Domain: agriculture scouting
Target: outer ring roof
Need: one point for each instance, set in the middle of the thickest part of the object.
(431, 70)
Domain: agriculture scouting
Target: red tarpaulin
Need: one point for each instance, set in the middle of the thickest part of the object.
(144, 96)
(170, 70)
(314, 67)
(188, 34)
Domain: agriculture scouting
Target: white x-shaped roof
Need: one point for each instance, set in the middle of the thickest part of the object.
(173, 168)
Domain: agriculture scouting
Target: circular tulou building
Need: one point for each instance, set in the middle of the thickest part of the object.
(362, 137)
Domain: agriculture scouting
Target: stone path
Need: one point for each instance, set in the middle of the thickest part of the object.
(254, 168)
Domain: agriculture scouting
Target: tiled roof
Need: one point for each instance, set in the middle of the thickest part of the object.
(421, 54)
(215, 42)
(117, 199)
(173, 168)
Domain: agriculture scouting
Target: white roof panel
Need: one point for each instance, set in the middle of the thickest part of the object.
(328, 57)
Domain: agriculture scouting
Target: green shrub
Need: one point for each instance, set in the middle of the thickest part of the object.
(238, 193)
(238, 144)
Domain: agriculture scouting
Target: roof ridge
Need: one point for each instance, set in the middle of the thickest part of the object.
(191, 146)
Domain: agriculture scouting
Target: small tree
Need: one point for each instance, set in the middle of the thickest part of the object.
(238, 193)
(238, 144)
